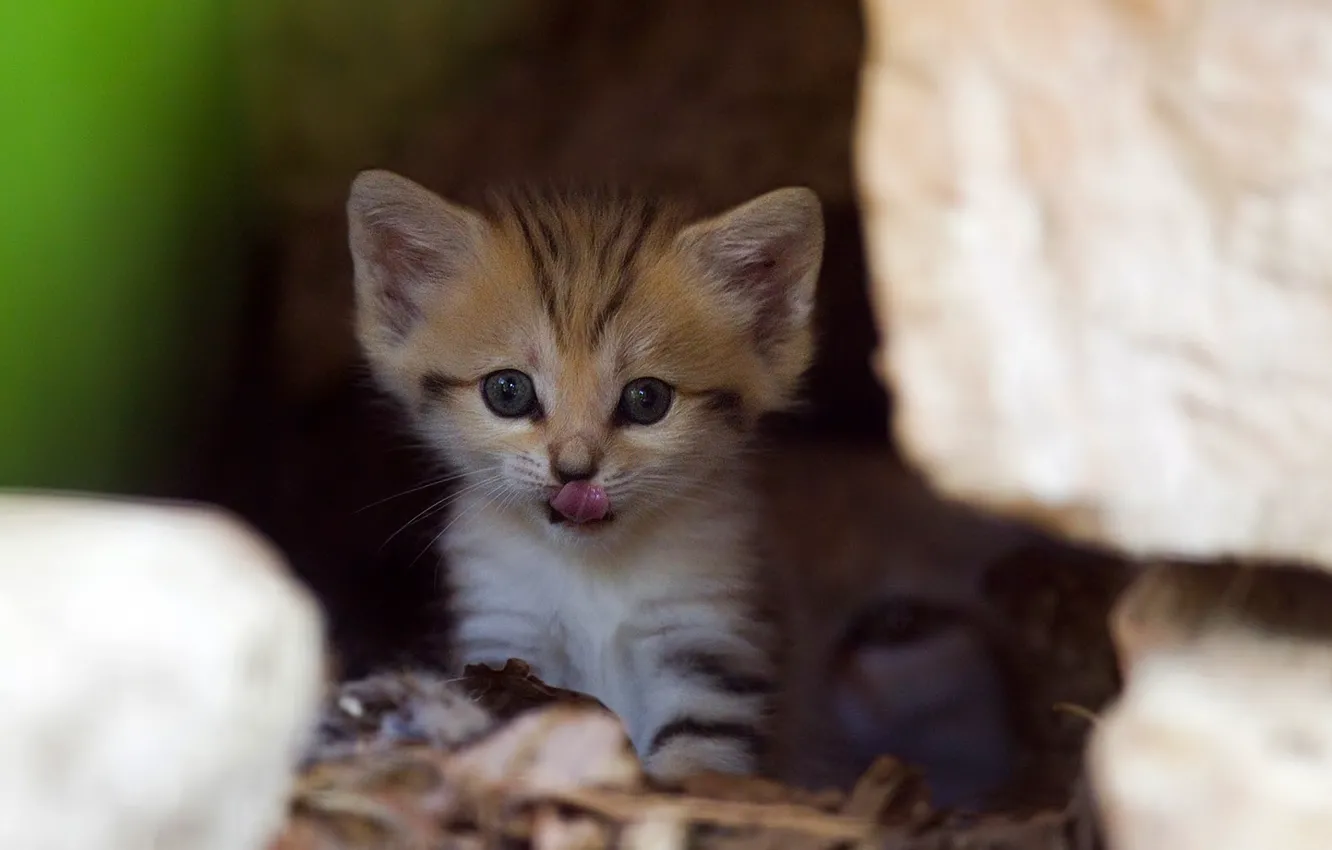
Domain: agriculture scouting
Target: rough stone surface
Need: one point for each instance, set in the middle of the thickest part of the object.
(1101, 238)
(159, 674)
(1222, 738)
(1221, 745)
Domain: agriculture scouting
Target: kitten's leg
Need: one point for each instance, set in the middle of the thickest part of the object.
(705, 679)
(492, 636)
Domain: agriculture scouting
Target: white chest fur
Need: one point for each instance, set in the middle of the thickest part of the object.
(598, 620)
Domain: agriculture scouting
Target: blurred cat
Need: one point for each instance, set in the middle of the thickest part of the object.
(890, 646)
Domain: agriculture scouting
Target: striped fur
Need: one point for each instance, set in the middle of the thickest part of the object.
(651, 611)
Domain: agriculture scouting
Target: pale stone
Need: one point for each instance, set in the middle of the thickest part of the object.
(1100, 233)
(1223, 737)
(159, 675)
(1224, 744)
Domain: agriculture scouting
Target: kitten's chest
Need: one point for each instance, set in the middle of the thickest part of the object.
(570, 620)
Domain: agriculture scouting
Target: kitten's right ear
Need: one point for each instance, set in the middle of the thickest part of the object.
(405, 241)
(765, 254)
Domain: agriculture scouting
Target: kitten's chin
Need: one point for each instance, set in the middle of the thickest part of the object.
(558, 520)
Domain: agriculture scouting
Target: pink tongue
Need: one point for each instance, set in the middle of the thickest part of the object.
(579, 501)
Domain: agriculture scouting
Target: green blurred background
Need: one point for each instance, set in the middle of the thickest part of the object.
(145, 143)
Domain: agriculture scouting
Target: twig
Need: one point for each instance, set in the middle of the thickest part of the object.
(1078, 711)
(625, 806)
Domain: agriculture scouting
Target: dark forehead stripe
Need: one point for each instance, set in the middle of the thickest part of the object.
(584, 248)
(541, 261)
(612, 239)
(619, 267)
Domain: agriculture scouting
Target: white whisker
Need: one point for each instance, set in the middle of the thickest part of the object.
(480, 503)
(427, 485)
(439, 505)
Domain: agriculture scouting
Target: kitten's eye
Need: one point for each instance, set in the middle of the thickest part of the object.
(509, 393)
(644, 401)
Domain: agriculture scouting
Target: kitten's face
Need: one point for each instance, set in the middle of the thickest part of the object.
(583, 364)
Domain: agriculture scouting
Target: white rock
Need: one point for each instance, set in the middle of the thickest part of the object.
(1223, 737)
(159, 673)
(1225, 744)
(1101, 238)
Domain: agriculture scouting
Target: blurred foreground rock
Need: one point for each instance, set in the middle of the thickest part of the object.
(159, 675)
(1101, 240)
(1223, 738)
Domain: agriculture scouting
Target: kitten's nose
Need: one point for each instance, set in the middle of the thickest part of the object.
(573, 460)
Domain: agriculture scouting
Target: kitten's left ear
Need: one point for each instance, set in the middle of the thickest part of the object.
(406, 243)
(766, 255)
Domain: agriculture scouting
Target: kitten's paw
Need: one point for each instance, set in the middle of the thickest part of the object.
(684, 756)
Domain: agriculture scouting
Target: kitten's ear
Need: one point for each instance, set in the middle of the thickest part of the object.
(766, 254)
(405, 242)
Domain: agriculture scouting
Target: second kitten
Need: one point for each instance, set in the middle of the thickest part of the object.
(892, 647)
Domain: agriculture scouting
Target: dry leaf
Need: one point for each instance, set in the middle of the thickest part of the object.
(552, 749)
(513, 689)
(888, 793)
(552, 831)
(656, 831)
(756, 789)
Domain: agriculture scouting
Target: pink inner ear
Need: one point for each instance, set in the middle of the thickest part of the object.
(405, 240)
(403, 267)
(760, 278)
(408, 263)
(397, 255)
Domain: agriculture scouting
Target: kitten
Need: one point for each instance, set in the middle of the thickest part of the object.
(891, 645)
(595, 369)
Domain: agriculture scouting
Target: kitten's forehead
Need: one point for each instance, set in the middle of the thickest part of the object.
(600, 281)
(580, 256)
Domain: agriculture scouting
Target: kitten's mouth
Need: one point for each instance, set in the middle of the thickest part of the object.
(580, 503)
(557, 518)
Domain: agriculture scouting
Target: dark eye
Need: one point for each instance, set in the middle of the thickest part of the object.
(644, 401)
(509, 393)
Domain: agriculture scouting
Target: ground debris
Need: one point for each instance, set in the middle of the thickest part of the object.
(512, 689)
(411, 761)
